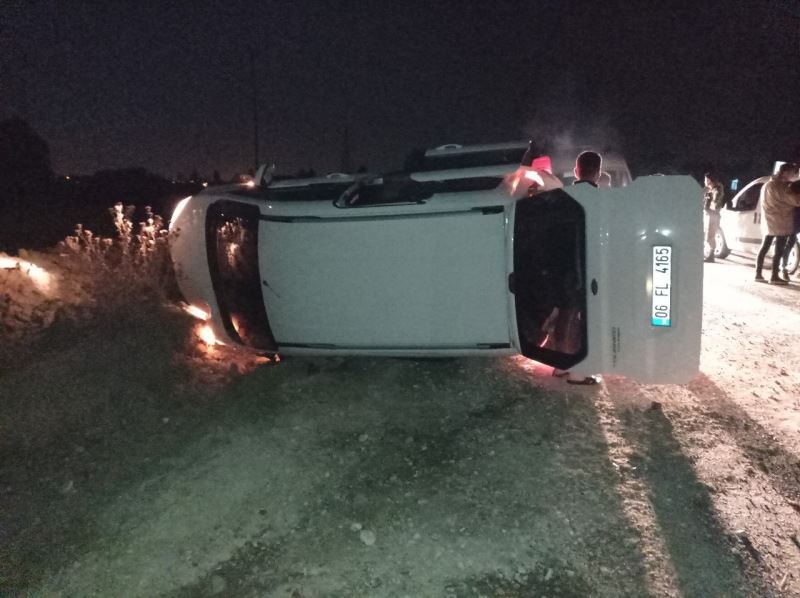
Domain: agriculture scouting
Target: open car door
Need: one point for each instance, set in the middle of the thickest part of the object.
(610, 280)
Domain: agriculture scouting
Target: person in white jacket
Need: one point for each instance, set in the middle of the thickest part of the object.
(777, 219)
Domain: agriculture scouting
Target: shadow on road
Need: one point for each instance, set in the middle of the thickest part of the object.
(698, 544)
(759, 445)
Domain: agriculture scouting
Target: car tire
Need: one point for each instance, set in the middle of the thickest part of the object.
(722, 251)
(793, 261)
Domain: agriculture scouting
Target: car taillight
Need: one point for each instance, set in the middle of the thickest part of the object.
(543, 163)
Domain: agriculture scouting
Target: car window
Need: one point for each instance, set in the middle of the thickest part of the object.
(232, 248)
(549, 278)
(749, 198)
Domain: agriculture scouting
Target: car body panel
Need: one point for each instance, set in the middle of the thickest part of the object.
(741, 225)
(337, 282)
(628, 222)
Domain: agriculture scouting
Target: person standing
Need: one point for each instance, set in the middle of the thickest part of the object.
(713, 202)
(792, 240)
(587, 171)
(777, 219)
(588, 167)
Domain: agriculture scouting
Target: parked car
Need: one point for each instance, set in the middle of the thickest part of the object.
(740, 226)
(463, 262)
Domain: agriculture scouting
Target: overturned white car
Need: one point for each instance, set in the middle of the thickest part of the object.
(459, 261)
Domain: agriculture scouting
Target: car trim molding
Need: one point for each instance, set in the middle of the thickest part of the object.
(482, 211)
(332, 347)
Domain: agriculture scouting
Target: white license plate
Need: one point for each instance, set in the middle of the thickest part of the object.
(661, 313)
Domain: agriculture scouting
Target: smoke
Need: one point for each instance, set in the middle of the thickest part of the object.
(564, 123)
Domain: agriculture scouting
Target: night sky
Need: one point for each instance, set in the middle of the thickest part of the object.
(167, 85)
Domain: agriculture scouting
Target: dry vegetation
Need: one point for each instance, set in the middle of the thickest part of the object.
(87, 297)
(85, 274)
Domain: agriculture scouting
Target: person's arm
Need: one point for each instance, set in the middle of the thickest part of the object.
(789, 196)
(793, 195)
(716, 200)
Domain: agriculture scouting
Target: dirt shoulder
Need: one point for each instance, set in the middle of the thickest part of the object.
(360, 477)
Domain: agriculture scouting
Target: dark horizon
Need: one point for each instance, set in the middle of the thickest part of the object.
(168, 88)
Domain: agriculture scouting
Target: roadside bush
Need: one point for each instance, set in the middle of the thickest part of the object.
(85, 273)
(133, 267)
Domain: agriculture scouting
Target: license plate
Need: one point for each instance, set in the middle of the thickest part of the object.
(661, 313)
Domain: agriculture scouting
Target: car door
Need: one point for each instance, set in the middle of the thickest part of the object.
(746, 236)
(614, 279)
(377, 282)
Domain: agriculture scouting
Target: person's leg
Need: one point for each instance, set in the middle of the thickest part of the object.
(765, 244)
(780, 245)
(711, 234)
(790, 242)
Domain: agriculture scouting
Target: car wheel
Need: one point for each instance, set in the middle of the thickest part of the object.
(722, 251)
(793, 259)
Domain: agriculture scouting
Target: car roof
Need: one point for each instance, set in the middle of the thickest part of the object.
(760, 180)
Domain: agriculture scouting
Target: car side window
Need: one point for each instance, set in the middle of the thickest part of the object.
(232, 251)
(749, 199)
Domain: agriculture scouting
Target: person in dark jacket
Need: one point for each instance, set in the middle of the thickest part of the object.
(588, 168)
(792, 241)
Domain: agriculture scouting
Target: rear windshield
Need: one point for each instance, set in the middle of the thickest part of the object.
(232, 247)
(549, 278)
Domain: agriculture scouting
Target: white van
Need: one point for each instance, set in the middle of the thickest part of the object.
(452, 261)
(740, 226)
